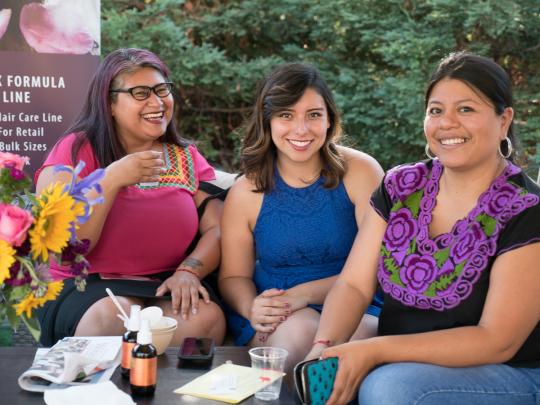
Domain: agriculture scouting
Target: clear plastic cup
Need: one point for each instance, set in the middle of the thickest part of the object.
(269, 358)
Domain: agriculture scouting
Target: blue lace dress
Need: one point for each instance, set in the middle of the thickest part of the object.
(301, 235)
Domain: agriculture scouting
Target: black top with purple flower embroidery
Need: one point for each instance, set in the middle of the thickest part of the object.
(442, 282)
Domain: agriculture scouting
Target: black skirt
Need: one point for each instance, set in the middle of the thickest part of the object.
(59, 318)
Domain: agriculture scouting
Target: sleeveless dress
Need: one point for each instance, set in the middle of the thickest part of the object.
(301, 235)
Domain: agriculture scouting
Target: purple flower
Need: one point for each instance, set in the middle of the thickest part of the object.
(74, 248)
(501, 199)
(400, 231)
(418, 272)
(409, 179)
(16, 173)
(467, 242)
(18, 275)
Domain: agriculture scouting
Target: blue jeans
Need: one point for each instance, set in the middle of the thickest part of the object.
(426, 384)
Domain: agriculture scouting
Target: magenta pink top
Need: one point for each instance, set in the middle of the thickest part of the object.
(149, 226)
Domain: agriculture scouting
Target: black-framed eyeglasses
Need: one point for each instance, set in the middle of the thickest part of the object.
(141, 93)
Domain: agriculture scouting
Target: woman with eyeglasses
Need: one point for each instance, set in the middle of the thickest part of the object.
(139, 237)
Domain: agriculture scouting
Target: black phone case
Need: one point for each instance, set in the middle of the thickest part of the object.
(314, 380)
(201, 357)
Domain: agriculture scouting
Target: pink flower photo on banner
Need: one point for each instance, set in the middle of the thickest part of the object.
(62, 26)
(5, 16)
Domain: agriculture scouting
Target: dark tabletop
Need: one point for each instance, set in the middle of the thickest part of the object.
(15, 360)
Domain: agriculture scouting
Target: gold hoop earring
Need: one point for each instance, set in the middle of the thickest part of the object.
(509, 148)
(428, 152)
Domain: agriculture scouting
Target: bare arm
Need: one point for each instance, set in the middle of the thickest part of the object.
(511, 311)
(185, 285)
(236, 274)
(355, 287)
(207, 253)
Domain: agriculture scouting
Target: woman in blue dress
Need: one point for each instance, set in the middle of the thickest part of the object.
(290, 220)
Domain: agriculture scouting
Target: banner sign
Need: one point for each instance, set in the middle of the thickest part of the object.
(49, 52)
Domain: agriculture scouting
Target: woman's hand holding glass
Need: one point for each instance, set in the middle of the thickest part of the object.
(138, 167)
(185, 288)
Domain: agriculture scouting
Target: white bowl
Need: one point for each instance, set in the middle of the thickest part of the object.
(162, 338)
(164, 323)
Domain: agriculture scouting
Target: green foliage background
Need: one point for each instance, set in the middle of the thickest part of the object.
(376, 55)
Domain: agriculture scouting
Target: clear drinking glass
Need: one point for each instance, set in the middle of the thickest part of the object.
(269, 358)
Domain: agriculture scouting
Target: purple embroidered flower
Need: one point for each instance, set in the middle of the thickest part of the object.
(418, 272)
(400, 231)
(487, 247)
(467, 242)
(451, 300)
(478, 261)
(444, 240)
(408, 299)
(437, 304)
(427, 204)
(423, 302)
(499, 201)
(409, 179)
(424, 219)
(427, 247)
(472, 273)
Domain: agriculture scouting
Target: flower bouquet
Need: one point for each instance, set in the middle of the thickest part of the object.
(35, 229)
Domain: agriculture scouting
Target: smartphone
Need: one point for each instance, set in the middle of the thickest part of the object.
(196, 349)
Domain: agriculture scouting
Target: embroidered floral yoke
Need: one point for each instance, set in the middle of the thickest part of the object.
(441, 282)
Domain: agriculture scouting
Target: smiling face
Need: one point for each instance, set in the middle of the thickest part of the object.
(139, 123)
(299, 131)
(462, 127)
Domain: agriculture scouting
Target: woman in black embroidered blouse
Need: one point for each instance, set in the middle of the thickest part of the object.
(454, 243)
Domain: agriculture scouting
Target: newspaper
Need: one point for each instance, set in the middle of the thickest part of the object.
(73, 361)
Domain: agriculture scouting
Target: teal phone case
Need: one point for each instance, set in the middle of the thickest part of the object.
(314, 380)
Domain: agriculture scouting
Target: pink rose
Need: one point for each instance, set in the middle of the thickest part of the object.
(12, 160)
(14, 222)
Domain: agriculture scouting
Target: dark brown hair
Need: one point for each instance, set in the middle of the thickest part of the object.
(281, 89)
(483, 76)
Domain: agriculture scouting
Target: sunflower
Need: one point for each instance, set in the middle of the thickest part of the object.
(31, 302)
(7, 258)
(55, 213)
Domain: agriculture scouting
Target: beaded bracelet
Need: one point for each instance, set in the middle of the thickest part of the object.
(322, 342)
(189, 271)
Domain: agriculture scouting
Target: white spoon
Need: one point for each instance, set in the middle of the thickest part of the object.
(115, 300)
(124, 320)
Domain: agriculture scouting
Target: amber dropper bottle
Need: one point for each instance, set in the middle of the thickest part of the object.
(143, 373)
(129, 340)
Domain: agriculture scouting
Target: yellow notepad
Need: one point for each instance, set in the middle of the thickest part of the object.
(229, 383)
